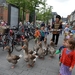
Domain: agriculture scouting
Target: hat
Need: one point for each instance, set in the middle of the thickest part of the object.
(58, 16)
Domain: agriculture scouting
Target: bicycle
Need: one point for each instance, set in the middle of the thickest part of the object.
(18, 42)
(4, 40)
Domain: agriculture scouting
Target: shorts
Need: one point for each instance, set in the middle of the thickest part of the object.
(42, 38)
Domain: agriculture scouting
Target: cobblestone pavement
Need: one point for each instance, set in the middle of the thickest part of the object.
(41, 67)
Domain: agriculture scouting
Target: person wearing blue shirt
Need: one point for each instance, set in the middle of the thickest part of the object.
(42, 33)
(73, 32)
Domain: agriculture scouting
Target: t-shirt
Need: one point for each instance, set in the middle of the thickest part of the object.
(66, 30)
(37, 33)
(42, 33)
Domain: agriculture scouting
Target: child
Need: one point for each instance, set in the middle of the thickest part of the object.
(73, 32)
(66, 30)
(71, 36)
(42, 34)
(67, 59)
(37, 34)
(61, 48)
(68, 34)
(46, 31)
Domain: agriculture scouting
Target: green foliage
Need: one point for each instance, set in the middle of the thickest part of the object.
(31, 6)
(26, 5)
(45, 14)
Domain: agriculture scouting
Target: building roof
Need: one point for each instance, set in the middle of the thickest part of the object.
(64, 19)
(54, 13)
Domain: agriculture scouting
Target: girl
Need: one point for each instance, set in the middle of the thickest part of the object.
(61, 48)
(68, 34)
(67, 59)
(66, 30)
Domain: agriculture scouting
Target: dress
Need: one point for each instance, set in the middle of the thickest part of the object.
(64, 70)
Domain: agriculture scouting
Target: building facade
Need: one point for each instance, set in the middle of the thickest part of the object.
(71, 18)
(3, 10)
(53, 18)
(3, 13)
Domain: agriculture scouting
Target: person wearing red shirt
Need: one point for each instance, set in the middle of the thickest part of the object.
(37, 35)
(67, 59)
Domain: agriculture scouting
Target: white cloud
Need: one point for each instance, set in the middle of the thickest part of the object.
(62, 7)
(61, 0)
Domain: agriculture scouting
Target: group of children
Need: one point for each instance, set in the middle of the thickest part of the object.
(40, 34)
(67, 56)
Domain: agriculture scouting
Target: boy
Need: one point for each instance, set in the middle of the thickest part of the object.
(37, 35)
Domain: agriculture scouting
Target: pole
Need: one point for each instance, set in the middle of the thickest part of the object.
(34, 19)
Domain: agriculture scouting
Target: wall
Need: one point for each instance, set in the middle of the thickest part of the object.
(27, 17)
(3, 13)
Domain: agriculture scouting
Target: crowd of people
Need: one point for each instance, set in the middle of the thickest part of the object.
(67, 50)
(67, 56)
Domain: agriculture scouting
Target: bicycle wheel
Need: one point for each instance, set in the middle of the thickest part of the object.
(18, 46)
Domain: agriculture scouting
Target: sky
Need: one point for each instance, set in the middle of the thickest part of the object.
(62, 7)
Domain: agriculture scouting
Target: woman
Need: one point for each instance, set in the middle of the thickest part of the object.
(56, 26)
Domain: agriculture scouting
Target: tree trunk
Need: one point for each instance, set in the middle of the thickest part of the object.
(23, 15)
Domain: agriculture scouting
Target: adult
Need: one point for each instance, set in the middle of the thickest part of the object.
(56, 26)
(43, 24)
(49, 26)
(21, 28)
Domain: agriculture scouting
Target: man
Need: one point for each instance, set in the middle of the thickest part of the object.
(43, 24)
(56, 26)
(21, 28)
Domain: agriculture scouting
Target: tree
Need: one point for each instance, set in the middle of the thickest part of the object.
(45, 14)
(25, 5)
(22, 4)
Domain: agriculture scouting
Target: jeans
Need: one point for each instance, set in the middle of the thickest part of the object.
(55, 39)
